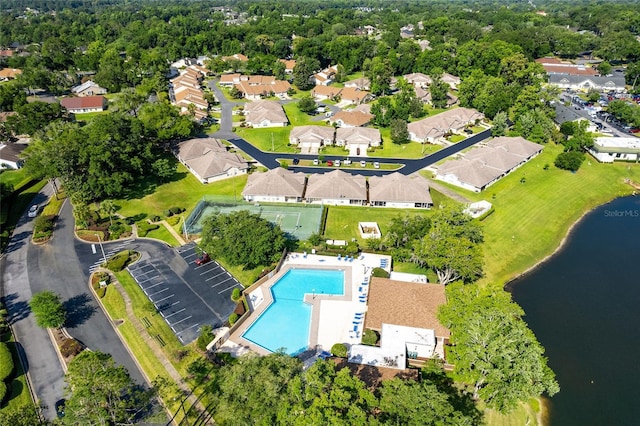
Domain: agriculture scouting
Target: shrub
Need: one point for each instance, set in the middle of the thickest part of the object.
(43, 223)
(155, 218)
(315, 239)
(205, 337)
(173, 221)
(6, 362)
(118, 262)
(235, 294)
(167, 213)
(70, 348)
(176, 210)
(380, 273)
(233, 318)
(352, 248)
(569, 160)
(144, 227)
(339, 350)
(370, 337)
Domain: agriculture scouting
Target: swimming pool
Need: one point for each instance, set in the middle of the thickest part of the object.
(287, 321)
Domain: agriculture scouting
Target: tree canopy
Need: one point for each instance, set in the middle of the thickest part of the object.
(48, 309)
(242, 238)
(494, 353)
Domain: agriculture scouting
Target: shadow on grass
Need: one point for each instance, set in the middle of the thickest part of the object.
(148, 185)
(79, 309)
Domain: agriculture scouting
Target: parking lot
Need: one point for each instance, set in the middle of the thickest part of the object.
(187, 296)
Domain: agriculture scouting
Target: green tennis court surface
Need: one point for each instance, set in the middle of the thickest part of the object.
(296, 220)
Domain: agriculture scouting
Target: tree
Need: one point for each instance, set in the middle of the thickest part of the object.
(379, 73)
(6, 362)
(242, 238)
(495, 355)
(101, 392)
(604, 68)
(163, 122)
(109, 208)
(571, 160)
(399, 131)
(499, 124)
(279, 70)
(306, 104)
(37, 115)
(24, 415)
(305, 67)
(48, 309)
(452, 248)
(439, 91)
(164, 169)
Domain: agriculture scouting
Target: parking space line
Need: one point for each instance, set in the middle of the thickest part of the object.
(210, 270)
(221, 282)
(228, 288)
(175, 313)
(152, 286)
(210, 278)
(190, 255)
(182, 320)
(158, 292)
(168, 297)
(186, 329)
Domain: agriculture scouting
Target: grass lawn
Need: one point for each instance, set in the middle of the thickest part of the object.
(162, 233)
(406, 150)
(456, 138)
(274, 139)
(16, 178)
(87, 116)
(54, 205)
(532, 218)
(148, 198)
(299, 118)
(342, 221)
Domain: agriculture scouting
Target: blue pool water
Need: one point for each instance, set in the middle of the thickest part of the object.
(286, 323)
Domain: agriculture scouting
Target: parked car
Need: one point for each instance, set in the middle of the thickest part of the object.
(468, 131)
(296, 161)
(363, 164)
(329, 163)
(336, 163)
(376, 165)
(316, 161)
(347, 162)
(202, 259)
(33, 210)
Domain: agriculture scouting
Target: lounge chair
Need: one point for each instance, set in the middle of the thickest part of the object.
(339, 257)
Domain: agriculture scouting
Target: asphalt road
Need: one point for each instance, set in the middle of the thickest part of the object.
(42, 366)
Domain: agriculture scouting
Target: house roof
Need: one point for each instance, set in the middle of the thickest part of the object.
(84, 102)
(84, 86)
(10, 73)
(516, 145)
(186, 80)
(197, 147)
(437, 125)
(275, 182)
(418, 78)
(396, 187)
(353, 94)
(405, 304)
(229, 78)
(450, 79)
(352, 118)
(289, 64)
(311, 133)
(336, 185)
(277, 87)
(237, 56)
(11, 152)
(326, 91)
(353, 135)
(185, 95)
(258, 111)
(362, 83)
(205, 157)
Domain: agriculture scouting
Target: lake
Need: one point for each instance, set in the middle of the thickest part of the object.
(583, 304)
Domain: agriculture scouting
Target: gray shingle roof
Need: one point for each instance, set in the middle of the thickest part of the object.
(336, 185)
(275, 182)
(397, 187)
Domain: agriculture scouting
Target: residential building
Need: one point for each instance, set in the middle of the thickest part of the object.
(610, 149)
(325, 77)
(585, 83)
(236, 57)
(278, 185)
(424, 95)
(452, 80)
(353, 118)
(84, 104)
(351, 95)
(311, 138)
(399, 191)
(361, 83)
(433, 129)
(418, 79)
(88, 88)
(482, 166)
(336, 188)
(265, 114)
(405, 315)
(289, 65)
(7, 74)
(187, 93)
(252, 90)
(556, 66)
(320, 93)
(10, 155)
(358, 139)
(209, 161)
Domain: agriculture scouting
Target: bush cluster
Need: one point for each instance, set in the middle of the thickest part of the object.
(380, 273)
(173, 220)
(144, 227)
(173, 211)
(235, 294)
(6, 368)
(118, 262)
(339, 350)
(70, 348)
(205, 337)
(233, 318)
(43, 227)
(370, 337)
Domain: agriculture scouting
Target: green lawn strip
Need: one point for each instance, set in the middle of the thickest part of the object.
(246, 277)
(87, 116)
(532, 218)
(456, 138)
(406, 150)
(18, 395)
(16, 178)
(162, 233)
(299, 118)
(273, 139)
(342, 221)
(54, 205)
(184, 191)
(524, 414)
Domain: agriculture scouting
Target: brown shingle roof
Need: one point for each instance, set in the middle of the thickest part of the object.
(83, 102)
(336, 185)
(275, 182)
(396, 187)
(352, 118)
(407, 304)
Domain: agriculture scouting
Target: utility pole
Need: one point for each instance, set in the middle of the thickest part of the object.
(102, 249)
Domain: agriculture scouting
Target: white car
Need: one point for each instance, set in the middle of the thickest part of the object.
(363, 164)
(336, 163)
(376, 165)
(33, 210)
(315, 162)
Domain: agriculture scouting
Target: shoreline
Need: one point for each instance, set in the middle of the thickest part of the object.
(511, 281)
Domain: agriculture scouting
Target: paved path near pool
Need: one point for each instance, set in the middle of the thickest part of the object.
(332, 318)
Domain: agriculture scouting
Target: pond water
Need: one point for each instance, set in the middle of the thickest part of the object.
(583, 304)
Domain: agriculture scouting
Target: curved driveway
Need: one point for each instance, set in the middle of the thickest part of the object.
(270, 160)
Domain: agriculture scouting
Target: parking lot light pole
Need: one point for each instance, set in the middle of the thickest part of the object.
(102, 249)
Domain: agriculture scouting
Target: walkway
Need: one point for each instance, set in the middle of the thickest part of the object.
(153, 345)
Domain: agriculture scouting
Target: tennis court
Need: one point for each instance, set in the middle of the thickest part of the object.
(299, 221)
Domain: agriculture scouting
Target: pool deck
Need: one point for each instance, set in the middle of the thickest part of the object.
(332, 316)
